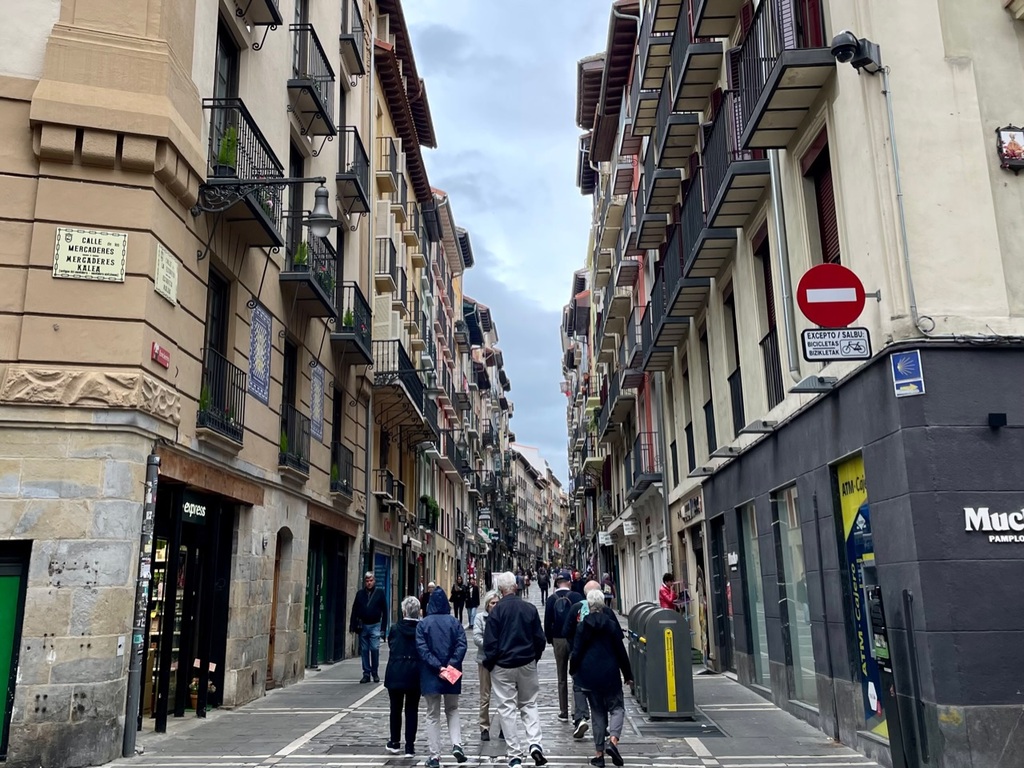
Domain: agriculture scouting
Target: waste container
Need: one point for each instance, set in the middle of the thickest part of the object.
(637, 625)
(667, 667)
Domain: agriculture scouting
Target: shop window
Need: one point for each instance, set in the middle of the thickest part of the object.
(757, 628)
(796, 616)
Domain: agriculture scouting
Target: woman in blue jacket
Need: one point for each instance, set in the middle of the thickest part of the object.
(441, 643)
(402, 677)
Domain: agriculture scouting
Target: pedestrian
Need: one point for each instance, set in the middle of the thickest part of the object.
(667, 593)
(608, 587)
(425, 597)
(479, 626)
(597, 649)
(520, 581)
(578, 583)
(472, 600)
(369, 619)
(581, 720)
(441, 644)
(543, 582)
(556, 609)
(458, 598)
(526, 584)
(402, 677)
(513, 644)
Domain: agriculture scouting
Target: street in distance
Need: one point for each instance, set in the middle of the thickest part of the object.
(836, 344)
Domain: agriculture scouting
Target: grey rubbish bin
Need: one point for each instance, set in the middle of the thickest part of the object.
(637, 626)
(667, 666)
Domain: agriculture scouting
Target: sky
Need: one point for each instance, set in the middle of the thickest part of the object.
(501, 81)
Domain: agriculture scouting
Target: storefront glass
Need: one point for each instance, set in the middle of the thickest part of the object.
(793, 580)
(754, 589)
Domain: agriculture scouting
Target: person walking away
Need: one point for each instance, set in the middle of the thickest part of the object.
(402, 677)
(578, 583)
(472, 600)
(458, 598)
(667, 593)
(369, 619)
(608, 587)
(479, 625)
(543, 583)
(425, 597)
(520, 581)
(513, 644)
(597, 649)
(441, 644)
(581, 720)
(526, 584)
(556, 609)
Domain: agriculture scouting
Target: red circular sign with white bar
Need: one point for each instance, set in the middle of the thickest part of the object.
(830, 295)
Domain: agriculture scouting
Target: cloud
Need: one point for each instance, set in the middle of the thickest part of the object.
(501, 78)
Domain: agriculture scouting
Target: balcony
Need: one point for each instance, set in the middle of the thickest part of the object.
(354, 329)
(387, 169)
(309, 277)
(591, 455)
(311, 87)
(616, 405)
(716, 18)
(462, 399)
(627, 245)
(643, 105)
(655, 53)
(261, 13)
(772, 368)
(622, 175)
(412, 233)
(384, 486)
(398, 389)
(385, 273)
(736, 400)
(696, 65)
(617, 304)
(400, 296)
(634, 338)
(675, 132)
(784, 63)
(489, 437)
(643, 465)
(237, 155)
(705, 249)
(293, 453)
(221, 415)
(735, 179)
(665, 13)
(674, 300)
(400, 201)
(353, 38)
(691, 452)
(353, 178)
(341, 470)
(431, 427)
(709, 425)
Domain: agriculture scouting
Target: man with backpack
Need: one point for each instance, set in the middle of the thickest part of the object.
(556, 610)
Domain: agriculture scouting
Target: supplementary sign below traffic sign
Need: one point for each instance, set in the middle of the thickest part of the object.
(830, 295)
(822, 344)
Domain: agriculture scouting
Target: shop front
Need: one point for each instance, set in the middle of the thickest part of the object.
(868, 552)
(14, 559)
(386, 556)
(188, 609)
(328, 576)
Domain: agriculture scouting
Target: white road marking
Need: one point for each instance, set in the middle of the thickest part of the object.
(308, 735)
(698, 747)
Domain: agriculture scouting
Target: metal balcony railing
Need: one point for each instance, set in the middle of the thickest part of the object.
(310, 63)
(393, 365)
(693, 219)
(772, 31)
(294, 446)
(709, 425)
(646, 458)
(387, 259)
(356, 317)
(384, 484)
(316, 256)
(353, 34)
(353, 161)
(222, 397)
(736, 400)
(401, 286)
(722, 147)
(430, 415)
(341, 469)
(387, 155)
(691, 452)
(772, 368)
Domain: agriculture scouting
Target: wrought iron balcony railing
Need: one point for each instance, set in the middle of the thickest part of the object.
(392, 365)
(355, 321)
(222, 397)
(294, 447)
(353, 37)
(341, 469)
(313, 81)
(736, 399)
(353, 179)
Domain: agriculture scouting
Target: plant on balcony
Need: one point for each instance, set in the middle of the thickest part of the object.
(431, 510)
(326, 279)
(227, 154)
(284, 443)
(348, 320)
(300, 259)
(204, 399)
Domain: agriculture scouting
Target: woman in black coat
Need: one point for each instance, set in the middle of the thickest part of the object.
(402, 677)
(598, 647)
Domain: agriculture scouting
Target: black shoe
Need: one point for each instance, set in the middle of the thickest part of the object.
(376, 679)
(613, 753)
(410, 751)
(597, 762)
(485, 735)
(393, 747)
(459, 753)
(515, 762)
(501, 735)
(366, 679)
(538, 755)
(580, 729)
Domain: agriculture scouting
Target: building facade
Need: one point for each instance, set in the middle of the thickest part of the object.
(812, 510)
(222, 253)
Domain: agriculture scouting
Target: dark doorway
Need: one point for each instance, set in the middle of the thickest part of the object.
(14, 557)
(721, 598)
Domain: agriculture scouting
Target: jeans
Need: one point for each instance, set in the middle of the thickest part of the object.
(515, 692)
(485, 696)
(411, 702)
(433, 721)
(369, 648)
(607, 714)
(472, 614)
(543, 594)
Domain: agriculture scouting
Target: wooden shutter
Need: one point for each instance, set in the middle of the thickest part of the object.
(762, 251)
(746, 18)
(824, 197)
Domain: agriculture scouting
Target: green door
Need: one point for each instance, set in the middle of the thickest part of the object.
(12, 601)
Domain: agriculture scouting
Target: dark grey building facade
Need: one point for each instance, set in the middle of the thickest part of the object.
(921, 496)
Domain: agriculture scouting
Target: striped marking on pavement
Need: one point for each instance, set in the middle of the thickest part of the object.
(312, 733)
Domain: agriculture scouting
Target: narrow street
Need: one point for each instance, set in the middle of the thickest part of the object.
(329, 720)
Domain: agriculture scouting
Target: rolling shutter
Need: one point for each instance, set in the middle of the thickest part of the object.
(824, 197)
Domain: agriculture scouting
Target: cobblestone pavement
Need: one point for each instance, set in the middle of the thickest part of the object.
(329, 720)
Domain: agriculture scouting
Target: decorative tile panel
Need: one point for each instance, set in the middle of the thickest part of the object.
(316, 403)
(260, 347)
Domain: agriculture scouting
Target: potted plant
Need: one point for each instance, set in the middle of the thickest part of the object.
(227, 154)
(284, 445)
(326, 280)
(300, 259)
(204, 398)
(348, 319)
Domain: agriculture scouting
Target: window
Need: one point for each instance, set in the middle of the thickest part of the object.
(217, 309)
(289, 379)
(225, 67)
(754, 589)
(709, 405)
(766, 308)
(793, 592)
(293, 223)
(732, 355)
(817, 167)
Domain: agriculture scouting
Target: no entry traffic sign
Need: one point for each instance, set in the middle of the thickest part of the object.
(830, 295)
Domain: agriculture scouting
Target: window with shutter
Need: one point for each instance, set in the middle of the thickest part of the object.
(824, 197)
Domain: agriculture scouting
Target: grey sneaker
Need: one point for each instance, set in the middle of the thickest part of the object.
(434, 762)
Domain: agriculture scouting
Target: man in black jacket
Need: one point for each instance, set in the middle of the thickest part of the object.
(513, 644)
(369, 619)
(557, 607)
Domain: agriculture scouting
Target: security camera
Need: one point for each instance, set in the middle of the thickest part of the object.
(844, 46)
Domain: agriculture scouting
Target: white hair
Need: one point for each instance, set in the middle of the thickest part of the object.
(505, 583)
(491, 595)
(411, 607)
(595, 599)
(368, 575)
